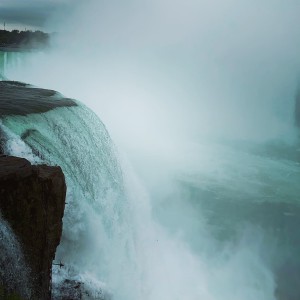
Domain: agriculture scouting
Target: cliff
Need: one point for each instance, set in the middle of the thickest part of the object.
(32, 201)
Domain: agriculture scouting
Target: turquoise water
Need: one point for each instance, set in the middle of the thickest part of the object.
(220, 223)
(248, 196)
(10, 60)
(3, 62)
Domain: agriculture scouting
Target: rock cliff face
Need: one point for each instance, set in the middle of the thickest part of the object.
(32, 201)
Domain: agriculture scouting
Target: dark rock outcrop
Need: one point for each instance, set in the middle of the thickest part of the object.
(32, 201)
(17, 98)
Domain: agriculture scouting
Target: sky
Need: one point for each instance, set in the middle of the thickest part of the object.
(32, 14)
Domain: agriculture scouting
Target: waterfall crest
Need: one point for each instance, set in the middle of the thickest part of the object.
(75, 139)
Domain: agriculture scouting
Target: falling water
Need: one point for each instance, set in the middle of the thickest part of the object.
(200, 200)
(13, 272)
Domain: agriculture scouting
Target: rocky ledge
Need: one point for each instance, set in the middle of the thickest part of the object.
(18, 98)
(32, 201)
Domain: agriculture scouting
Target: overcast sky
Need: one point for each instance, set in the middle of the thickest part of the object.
(32, 14)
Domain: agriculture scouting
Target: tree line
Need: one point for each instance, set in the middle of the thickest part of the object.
(16, 38)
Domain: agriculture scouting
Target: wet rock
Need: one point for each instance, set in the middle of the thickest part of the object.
(32, 201)
(17, 98)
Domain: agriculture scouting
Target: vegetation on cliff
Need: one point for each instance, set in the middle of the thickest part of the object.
(16, 38)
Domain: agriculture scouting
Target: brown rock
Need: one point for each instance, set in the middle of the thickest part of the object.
(32, 200)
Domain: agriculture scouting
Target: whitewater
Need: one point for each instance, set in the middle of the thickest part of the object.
(182, 159)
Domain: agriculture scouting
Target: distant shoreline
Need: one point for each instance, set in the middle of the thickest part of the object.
(12, 49)
(16, 49)
(20, 41)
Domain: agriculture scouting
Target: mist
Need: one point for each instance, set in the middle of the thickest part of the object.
(168, 77)
(172, 81)
(33, 14)
(160, 70)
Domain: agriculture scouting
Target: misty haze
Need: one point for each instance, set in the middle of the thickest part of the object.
(175, 126)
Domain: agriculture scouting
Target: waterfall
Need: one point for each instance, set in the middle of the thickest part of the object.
(13, 270)
(3, 63)
(9, 61)
(111, 242)
(200, 197)
(76, 140)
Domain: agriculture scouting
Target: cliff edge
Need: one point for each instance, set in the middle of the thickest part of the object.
(32, 201)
